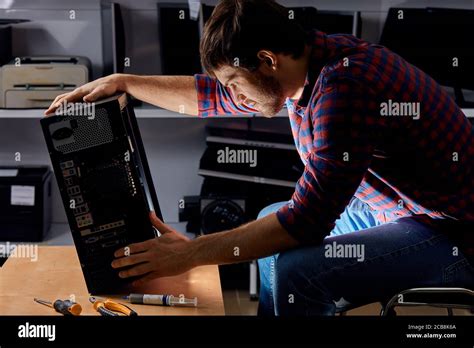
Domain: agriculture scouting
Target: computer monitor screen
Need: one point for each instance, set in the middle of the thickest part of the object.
(206, 12)
(436, 40)
(339, 22)
(179, 40)
(330, 22)
(113, 38)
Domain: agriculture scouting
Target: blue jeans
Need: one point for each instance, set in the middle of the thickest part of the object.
(360, 262)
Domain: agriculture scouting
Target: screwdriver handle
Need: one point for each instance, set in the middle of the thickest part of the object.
(67, 307)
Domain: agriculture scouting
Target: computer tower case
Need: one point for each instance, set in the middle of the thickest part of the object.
(105, 183)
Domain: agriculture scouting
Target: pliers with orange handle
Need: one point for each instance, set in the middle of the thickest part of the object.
(110, 308)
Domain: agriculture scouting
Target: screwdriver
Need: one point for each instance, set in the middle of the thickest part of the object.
(65, 307)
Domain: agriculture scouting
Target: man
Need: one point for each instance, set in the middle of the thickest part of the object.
(387, 153)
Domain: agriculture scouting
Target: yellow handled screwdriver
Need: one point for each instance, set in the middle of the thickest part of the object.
(65, 307)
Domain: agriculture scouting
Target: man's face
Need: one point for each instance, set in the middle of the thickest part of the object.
(256, 90)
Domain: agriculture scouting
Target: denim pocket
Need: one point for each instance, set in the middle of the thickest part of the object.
(460, 273)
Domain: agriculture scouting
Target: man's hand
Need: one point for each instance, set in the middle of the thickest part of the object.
(173, 254)
(92, 91)
(163, 256)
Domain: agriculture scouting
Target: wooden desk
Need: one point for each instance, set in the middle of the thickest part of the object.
(57, 275)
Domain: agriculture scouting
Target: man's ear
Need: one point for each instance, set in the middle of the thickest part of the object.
(268, 60)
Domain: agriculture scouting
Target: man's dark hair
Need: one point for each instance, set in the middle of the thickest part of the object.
(241, 28)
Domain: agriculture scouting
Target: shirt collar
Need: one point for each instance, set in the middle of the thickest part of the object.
(318, 57)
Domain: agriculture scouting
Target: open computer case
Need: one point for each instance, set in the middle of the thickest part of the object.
(105, 183)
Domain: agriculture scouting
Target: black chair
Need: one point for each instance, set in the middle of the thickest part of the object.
(448, 298)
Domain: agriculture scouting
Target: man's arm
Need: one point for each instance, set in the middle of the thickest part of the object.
(172, 253)
(215, 99)
(260, 238)
(197, 95)
(174, 93)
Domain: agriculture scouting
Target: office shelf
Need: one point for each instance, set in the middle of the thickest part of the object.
(144, 112)
(141, 112)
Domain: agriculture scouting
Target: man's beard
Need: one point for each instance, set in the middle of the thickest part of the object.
(271, 99)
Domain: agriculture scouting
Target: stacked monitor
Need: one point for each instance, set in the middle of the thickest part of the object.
(436, 40)
(330, 22)
(6, 38)
(180, 34)
(113, 38)
(339, 22)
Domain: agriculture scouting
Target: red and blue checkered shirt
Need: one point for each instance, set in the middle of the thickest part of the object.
(358, 133)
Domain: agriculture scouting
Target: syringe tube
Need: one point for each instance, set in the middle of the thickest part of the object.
(161, 300)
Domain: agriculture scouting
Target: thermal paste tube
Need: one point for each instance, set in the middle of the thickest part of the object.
(162, 300)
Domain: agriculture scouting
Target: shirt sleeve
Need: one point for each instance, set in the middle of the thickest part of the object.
(216, 100)
(344, 129)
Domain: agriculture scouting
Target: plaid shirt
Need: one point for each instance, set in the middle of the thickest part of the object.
(348, 134)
